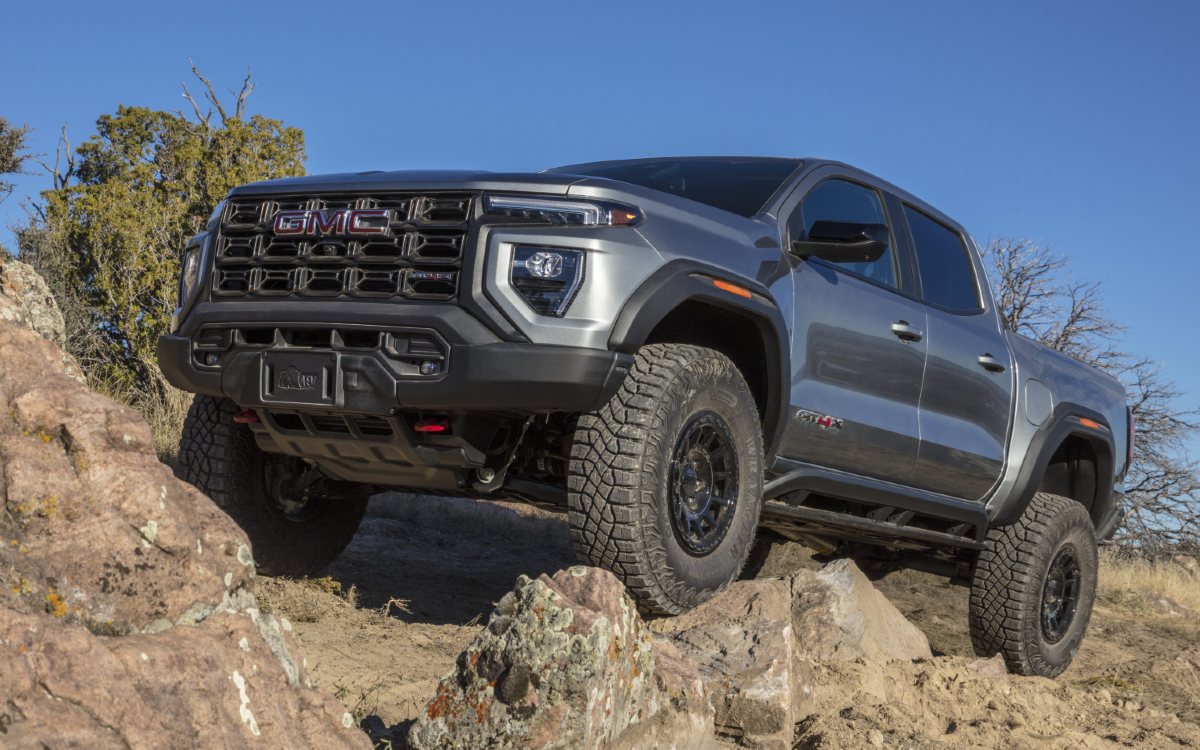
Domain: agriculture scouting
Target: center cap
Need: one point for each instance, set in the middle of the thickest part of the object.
(696, 476)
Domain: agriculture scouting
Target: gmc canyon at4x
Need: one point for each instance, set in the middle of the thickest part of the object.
(677, 352)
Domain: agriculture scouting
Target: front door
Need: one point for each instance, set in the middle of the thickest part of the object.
(858, 347)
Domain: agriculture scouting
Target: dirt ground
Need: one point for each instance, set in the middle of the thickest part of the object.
(389, 617)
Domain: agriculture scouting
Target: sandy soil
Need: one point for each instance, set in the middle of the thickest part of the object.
(446, 561)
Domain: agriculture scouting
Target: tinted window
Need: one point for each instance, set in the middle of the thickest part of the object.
(838, 200)
(739, 186)
(947, 279)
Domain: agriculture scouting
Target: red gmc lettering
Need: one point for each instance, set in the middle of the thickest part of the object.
(343, 221)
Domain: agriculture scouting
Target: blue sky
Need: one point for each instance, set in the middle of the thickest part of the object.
(1071, 123)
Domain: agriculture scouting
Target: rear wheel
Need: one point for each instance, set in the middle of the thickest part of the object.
(666, 479)
(297, 521)
(1034, 586)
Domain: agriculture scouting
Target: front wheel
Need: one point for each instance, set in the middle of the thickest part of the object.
(1034, 586)
(295, 523)
(666, 479)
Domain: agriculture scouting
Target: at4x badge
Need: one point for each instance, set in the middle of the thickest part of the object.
(824, 421)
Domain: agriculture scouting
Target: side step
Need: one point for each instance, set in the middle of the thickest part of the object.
(816, 519)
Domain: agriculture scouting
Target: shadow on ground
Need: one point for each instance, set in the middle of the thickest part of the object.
(449, 558)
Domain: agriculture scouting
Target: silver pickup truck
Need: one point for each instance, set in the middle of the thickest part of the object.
(678, 352)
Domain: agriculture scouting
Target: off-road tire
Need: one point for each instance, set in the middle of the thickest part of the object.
(1010, 578)
(221, 459)
(621, 459)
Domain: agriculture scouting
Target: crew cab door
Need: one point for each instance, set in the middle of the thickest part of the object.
(966, 403)
(858, 349)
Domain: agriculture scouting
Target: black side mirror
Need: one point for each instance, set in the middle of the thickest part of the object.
(843, 242)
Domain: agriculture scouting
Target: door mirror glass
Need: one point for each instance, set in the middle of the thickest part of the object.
(843, 242)
(844, 223)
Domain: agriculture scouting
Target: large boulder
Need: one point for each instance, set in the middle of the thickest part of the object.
(125, 618)
(743, 646)
(566, 662)
(30, 300)
(839, 615)
(755, 644)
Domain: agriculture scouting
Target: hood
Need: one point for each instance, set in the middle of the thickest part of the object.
(414, 180)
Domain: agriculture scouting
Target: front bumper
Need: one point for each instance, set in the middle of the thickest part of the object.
(480, 372)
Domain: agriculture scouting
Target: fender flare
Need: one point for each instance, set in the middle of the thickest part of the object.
(1065, 422)
(683, 281)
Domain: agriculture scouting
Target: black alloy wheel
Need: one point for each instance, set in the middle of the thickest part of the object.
(704, 484)
(1060, 594)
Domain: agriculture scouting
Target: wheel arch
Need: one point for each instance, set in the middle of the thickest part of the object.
(681, 303)
(1073, 456)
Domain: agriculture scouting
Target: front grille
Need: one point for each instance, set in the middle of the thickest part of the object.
(416, 255)
(406, 349)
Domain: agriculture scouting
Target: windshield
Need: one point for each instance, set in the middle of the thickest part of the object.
(741, 186)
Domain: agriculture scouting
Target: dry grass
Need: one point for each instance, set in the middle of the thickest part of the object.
(304, 599)
(1130, 582)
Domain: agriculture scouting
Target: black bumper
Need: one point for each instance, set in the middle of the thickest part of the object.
(493, 376)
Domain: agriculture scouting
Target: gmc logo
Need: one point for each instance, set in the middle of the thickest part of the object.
(356, 222)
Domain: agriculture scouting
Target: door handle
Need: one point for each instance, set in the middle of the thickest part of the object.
(907, 332)
(990, 363)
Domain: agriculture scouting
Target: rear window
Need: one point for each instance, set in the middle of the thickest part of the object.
(740, 187)
(947, 278)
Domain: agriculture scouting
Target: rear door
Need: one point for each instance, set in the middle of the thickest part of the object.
(967, 399)
(858, 349)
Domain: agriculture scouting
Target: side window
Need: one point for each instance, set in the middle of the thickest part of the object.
(947, 278)
(838, 200)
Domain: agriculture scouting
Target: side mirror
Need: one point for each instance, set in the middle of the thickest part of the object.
(843, 242)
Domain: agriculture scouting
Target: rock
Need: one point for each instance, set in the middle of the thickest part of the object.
(755, 643)
(565, 662)
(838, 615)
(1167, 606)
(742, 642)
(125, 618)
(993, 668)
(25, 298)
(1189, 563)
(31, 300)
(1190, 655)
(685, 718)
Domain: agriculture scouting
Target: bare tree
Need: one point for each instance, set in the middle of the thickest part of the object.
(210, 95)
(1038, 298)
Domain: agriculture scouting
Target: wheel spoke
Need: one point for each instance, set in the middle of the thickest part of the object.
(703, 483)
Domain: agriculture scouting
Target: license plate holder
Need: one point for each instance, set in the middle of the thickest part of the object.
(302, 378)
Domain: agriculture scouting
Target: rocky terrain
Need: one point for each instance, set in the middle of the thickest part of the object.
(892, 683)
(131, 616)
(125, 619)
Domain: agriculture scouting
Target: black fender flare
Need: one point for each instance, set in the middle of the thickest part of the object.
(1066, 421)
(683, 281)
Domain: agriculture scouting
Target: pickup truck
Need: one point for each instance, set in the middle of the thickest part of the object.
(678, 352)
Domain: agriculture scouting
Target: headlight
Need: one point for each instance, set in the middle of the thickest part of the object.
(189, 270)
(531, 210)
(547, 278)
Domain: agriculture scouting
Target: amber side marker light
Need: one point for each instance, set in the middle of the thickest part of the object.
(1093, 424)
(725, 286)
